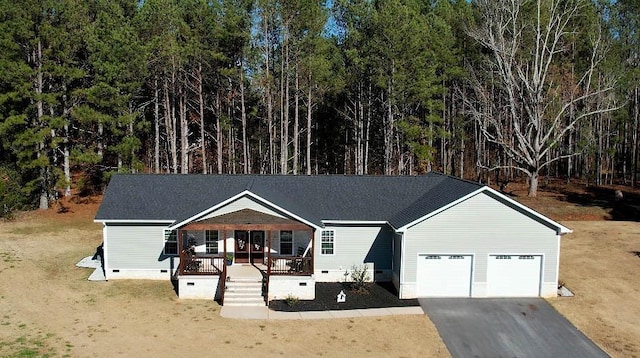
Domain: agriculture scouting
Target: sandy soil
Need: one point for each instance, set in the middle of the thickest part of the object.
(48, 308)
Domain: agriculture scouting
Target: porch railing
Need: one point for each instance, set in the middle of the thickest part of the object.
(194, 264)
(290, 265)
(222, 284)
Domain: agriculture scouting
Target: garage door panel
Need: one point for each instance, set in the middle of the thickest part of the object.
(514, 275)
(444, 275)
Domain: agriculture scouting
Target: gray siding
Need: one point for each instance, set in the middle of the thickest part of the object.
(397, 254)
(481, 226)
(243, 203)
(356, 245)
(136, 247)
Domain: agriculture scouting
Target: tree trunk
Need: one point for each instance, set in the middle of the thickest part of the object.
(296, 126)
(219, 143)
(203, 146)
(388, 132)
(66, 165)
(533, 184)
(156, 120)
(309, 109)
(170, 130)
(368, 131)
(285, 126)
(634, 139)
(268, 97)
(184, 131)
(245, 144)
(39, 85)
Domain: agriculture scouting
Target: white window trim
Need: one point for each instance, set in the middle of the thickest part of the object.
(217, 242)
(333, 242)
(293, 242)
(167, 234)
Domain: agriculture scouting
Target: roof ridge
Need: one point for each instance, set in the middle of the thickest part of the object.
(458, 179)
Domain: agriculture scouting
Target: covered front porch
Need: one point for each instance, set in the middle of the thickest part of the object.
(245, 241)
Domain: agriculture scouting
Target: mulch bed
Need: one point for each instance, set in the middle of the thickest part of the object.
(379, 295)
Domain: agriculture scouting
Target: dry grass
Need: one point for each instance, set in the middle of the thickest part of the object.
(599, 264)
(48, 308)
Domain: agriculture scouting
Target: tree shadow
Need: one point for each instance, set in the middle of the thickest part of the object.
(621, 205)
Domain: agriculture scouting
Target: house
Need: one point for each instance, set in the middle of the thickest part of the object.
(431, 235)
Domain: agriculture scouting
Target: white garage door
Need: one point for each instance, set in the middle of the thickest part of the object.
(444, 275)
(514, 275)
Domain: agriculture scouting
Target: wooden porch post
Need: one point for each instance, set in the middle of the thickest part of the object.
(268, 252)
(313, 250)
(224, 243)
(179, 245)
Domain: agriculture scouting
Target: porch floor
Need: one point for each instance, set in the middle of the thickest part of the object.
(246, 271)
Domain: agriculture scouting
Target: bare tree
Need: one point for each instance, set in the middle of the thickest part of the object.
(525, 40)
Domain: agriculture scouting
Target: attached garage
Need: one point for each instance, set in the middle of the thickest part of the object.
(483, 245)
(514, 275)
(444, 275)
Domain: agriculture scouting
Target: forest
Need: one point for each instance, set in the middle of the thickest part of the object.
(487, 90)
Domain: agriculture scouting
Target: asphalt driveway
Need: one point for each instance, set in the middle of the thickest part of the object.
(506, 327)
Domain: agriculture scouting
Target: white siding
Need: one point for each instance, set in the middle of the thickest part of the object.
(198, 287)
(354, 245)
(481, 225)
(243, 203)
(136, 251)
(301, 287)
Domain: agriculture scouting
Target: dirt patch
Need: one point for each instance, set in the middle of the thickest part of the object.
(48, 308)
(579, 201)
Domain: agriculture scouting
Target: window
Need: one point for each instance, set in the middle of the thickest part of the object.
(171, 242)
(327, 239)
(211, 241)
(286, 242)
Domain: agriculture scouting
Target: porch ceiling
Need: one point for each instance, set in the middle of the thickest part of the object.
(247, 219)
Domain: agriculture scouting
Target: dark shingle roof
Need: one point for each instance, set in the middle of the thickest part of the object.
(398, 200)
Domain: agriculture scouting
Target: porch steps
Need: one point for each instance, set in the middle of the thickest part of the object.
(243, 292)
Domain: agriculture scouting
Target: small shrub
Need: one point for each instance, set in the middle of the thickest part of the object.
(291, 300)
(360, 278)
(560, 283)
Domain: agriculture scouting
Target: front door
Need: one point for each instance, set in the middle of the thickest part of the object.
(249, 246)
(257, 246)
(241, 246)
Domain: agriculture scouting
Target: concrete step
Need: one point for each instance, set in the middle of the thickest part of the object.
(254, 293)
(228, 294)
(243, 292)
(232, 300)
(243, 283)
(236, 287)
(259, 303)
(243, 279)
